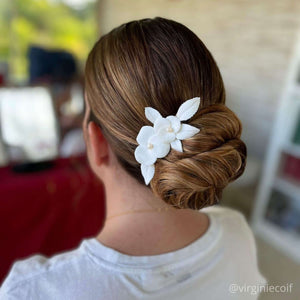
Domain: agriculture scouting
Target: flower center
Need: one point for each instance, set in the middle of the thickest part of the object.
(170, 129)
(150, 146)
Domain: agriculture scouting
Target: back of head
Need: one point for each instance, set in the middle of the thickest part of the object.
(160, 63)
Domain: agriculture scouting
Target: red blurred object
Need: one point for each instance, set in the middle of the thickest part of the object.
(292, 167)
(48, 211)
(1, 79)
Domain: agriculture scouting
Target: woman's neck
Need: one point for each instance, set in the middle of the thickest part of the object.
(151, 232)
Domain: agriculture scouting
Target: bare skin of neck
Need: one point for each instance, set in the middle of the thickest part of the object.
(148, 233)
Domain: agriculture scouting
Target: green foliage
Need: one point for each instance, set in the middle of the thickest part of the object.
(46, 23)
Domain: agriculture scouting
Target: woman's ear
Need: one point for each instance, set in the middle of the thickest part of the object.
(98, 143)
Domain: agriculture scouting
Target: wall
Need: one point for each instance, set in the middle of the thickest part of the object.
(252, 42)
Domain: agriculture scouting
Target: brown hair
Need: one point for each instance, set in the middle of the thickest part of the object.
(161, 63)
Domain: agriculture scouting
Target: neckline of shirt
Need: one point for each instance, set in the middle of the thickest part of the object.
(201, 247)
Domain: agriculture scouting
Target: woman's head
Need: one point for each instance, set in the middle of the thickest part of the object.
(160, 63)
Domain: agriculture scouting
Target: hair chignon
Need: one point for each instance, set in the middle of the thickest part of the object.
(161, 63)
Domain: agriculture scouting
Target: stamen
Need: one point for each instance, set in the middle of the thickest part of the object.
(150, 146)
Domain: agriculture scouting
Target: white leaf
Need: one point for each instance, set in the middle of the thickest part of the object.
(147, 172)
(144, 156)
(144, 135)
(186, 132)
(176, 145)
(188, 108)
(152, 114)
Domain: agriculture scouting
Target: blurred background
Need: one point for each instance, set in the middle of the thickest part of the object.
(46, 187)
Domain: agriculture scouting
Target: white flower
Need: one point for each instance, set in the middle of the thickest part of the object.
(151, 146)
(155, 142)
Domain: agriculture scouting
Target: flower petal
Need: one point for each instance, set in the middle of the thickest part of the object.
(175, 122)
(156, 139)
(161, 127)
(161, 150)
(186, 132)
(166, 137)
(160, 124)
(152, 114)
(145, 133)
(188, 108)
(144, 156)
(176, 145)
(147, 172)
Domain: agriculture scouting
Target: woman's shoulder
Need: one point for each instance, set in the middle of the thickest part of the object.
(224, 212)
(233, 223)
(27, 271)
(229, 219)
(238, 237)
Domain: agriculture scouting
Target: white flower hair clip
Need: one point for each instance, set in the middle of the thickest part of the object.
(155, 142)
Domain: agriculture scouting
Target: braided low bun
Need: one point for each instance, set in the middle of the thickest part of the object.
(210, 160)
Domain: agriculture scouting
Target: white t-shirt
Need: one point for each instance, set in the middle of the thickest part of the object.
(221, 264)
